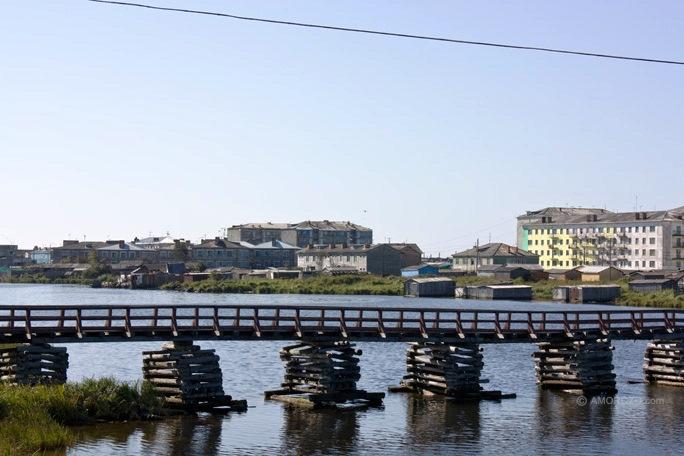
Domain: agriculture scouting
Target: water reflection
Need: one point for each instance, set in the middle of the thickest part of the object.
(437, 420)
(318, 431)
(181, 435)
(562, 415)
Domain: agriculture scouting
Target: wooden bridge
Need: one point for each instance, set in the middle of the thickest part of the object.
(119, 323)
(444, 355)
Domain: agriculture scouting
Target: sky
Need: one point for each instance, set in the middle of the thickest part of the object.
(118, 122)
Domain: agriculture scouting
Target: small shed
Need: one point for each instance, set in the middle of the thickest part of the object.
(513, 292)
(587, 293)
(436, 287)
(564, 274)
(420, 270)
(653, 285)
(600, 273)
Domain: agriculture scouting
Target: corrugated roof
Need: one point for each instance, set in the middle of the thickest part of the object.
(595, 269)
(276, 245)
(430, 279)
(562, 215)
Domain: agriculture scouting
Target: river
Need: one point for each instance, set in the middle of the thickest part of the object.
(640, 420)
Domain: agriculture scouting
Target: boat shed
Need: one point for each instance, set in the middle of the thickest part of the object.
(564, 274)
(435, 287)
(653, 285)
(513, 292)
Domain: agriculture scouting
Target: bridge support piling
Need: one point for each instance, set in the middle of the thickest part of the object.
(32, 364)
(320, 373)
(664, 362)
(188, 378)
(446, 369)
(576, 366)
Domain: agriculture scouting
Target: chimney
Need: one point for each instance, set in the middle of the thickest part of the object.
(122, 244)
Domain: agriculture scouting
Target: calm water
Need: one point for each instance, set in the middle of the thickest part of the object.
(640, 420)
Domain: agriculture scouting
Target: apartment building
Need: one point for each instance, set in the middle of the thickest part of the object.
(570, 237)
(301, 234)
(379, 259)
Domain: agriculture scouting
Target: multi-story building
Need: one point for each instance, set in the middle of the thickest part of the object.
(494, 253)
(301, 234)
(411, 255)
(570, 237)
(274, 254)
(73, 251)
(117, 251)
(41, 256)
(219, 253)
(379, 259)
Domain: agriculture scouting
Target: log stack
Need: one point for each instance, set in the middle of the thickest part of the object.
(664, 362)
(32, 364)
(325, 367)
(186, 377)
(440, 368)
(577, 366)
(323, 373)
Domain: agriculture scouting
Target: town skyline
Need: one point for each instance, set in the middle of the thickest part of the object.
(114, 123)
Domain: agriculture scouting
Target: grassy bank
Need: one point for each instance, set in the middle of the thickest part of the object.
(341, 285)
(35, 419)
(41, 278)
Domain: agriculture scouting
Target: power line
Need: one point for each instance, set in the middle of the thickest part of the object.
(392, 34)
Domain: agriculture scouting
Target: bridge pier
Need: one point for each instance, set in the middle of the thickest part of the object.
(188, 378)
(664, 362)
(447, 369)
(32, 364)
(321, 373)
(576, 366)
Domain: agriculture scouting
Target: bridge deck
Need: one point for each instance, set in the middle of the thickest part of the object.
(116, 323)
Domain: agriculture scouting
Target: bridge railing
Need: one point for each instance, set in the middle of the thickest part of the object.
(257, 321)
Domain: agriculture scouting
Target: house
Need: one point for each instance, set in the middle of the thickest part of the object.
(600, 273)
(651, 275)
(419, 270)
(495, 253)
(436, 287)
(41, 256)
(411, 254)
(564, 274)
(488, 270)
(220, 253)
(116, 251)
(154, 242)
(73, 251)
(324, 232)
(653, 285)
(273, 254)
(379, 259)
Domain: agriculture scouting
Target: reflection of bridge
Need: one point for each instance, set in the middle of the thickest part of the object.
(575, 351)
(116, 323)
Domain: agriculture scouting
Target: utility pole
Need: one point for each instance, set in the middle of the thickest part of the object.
(477, 256)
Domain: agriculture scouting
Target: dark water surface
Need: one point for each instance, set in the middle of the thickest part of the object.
(640, 420)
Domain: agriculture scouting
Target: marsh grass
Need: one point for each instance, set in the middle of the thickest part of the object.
(37, 418)
(337, 285)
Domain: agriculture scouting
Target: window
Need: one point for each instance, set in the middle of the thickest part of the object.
(652, 252)
(651, 229)
(636, 240)
(652, 241)
(651, 264)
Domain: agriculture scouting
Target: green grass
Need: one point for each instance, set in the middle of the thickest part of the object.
(37, 418)
(340, 285)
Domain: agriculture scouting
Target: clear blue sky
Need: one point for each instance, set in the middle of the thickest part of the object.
(116, 121)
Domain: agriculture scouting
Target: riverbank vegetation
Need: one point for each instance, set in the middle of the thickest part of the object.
(34, 419)
(336, 285)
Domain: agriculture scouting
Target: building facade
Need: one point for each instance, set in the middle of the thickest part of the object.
(571, 237)
(219, 253)
(117, 251)
(494, 253)
(73, 251)
(301, 234)
(378, 259)
(274, 254)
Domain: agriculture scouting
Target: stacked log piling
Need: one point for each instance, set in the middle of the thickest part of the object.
(664, 362)
(576, 366)
(32, 364)
(188, 378)
(452, 370)
(322, 373)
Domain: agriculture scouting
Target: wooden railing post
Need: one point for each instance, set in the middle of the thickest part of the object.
(27, 323)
